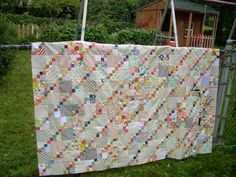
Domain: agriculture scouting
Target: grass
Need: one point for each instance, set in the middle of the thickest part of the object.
(18, 145)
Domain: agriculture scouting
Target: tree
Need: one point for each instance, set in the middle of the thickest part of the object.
(8, 5)
(52, 8)
(8, 35)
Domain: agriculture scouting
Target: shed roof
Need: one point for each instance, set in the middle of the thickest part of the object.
(187, 5)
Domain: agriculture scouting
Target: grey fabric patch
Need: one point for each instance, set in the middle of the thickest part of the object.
(67, 134)
(163, 70)
(172, 102)
(89, 154)
(64, 61)
(66, 110)
(188, 122)
(65, 86)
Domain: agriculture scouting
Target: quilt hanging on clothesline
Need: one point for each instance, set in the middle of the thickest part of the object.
(101, 106)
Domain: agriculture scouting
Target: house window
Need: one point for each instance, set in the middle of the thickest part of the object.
(186, 29)
(166, 24)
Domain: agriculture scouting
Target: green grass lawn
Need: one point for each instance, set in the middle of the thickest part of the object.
(18, 144)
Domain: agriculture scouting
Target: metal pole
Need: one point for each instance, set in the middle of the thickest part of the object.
(221, 89)
(203, 23)
(220, 95)
(204, 18)
(174, 23)
(232, 30)
(15, 47)
(79, 20)
(84, 20)
(229, 88)
(216, 25)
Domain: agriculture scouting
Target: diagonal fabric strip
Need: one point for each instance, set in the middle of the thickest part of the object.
(101, 106)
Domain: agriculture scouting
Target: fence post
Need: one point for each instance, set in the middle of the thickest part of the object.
(19, 31)
(23, 31)
(37, 31)
(32, 29)
(230, 65)
(221, 93)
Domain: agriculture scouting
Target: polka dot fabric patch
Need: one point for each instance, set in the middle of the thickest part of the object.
(102, 106)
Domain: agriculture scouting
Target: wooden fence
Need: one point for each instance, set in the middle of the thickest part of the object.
(25, 31)
(199, 40)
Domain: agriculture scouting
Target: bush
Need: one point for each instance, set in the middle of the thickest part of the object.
(8, 35)
(97, 33)
(134, 36)
(55, 32)
(66, 32)
(28, 39)
(208, 30)
(111, 25)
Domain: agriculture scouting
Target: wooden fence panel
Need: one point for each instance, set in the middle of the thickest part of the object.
(199, 40)
(24, 31)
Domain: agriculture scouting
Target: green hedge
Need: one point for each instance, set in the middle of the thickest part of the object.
(66, 32)
(134, 36)
(109, 31)
(98, 33)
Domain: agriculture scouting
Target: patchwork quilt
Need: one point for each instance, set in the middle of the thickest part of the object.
(101, 106)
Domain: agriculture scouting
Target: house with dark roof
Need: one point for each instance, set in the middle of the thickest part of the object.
(190, 20)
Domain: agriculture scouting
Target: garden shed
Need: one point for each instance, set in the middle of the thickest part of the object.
(191, 18)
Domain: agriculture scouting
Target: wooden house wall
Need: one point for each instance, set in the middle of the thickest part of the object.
(181, 23)
(182, 20)
(149, 17)
(198, 19)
